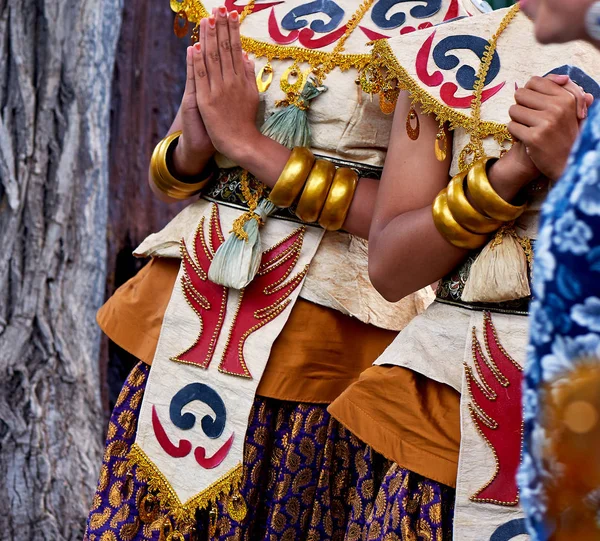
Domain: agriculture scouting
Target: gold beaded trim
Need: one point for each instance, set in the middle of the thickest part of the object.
(182, 513)
(196, 11)
(383, 60)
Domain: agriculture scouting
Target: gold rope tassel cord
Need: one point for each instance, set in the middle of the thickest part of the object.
(184, 514)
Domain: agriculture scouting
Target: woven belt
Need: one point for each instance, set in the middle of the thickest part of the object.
(450, 290)
(226, 189)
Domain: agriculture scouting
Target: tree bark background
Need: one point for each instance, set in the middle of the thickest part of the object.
(148, 84)
(56, 66)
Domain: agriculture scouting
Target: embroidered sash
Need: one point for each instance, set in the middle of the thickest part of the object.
(212, 351)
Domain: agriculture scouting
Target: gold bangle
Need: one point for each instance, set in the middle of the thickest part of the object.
(315, 191)
(163, 178)
(486, 198)
(292, 178)
(450, 229)
(464, 213)
(339, 199)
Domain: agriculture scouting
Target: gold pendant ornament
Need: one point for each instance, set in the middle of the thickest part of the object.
(413, 133)
(441, 145)
(262, 83)
(236, 507)
(293, 79)
(388, 98)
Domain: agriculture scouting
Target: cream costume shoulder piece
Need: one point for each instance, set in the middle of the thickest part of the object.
(478, 350)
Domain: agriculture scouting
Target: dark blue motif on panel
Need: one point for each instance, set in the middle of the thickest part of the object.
(293, 20)
(213, 428)
(381, 9)
(466, 75)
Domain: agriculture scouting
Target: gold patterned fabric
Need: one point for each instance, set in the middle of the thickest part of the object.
(305, 477)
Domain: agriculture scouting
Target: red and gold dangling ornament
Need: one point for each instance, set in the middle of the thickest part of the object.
(181, 24)
(413, 132)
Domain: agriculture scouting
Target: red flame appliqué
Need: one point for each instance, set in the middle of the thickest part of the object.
(496, 411)
(264, 299)
(207, 299)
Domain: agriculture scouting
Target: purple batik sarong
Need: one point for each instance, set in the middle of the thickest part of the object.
(305, 478)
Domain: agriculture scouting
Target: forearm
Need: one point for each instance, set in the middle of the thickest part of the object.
(265, 159)
(409, 253)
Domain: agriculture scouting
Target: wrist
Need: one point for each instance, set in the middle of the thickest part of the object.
(243, 147)
(190, 163)
(511, 173)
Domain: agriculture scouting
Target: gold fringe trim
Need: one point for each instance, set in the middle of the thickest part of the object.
(182, 513)
(196, 11)
(383, 59)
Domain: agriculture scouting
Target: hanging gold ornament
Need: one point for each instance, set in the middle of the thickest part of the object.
(387, 107)
(262, 83)
(293, 79)
(236, 507)
(195, 37)
(181, 24)
(212, 522)
(413, 132)
(441, 145)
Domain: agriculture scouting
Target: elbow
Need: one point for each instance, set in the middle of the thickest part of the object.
(383, 280)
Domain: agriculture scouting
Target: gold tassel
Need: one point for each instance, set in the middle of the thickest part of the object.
(500, 272)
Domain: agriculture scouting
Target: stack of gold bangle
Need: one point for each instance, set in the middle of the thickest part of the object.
(459, 222)
(326, 193)
(164, 180)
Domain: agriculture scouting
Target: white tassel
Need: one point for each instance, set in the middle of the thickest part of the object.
(500, 272)
(237, 260)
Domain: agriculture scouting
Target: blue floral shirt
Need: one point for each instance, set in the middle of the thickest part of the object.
(565, 312)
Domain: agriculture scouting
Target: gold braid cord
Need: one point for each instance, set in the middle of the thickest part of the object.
(184, 514)
(476, 130)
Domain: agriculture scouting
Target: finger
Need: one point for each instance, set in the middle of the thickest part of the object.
(190, 80)
(236, 42)
(558, 79)
(212, 58)
(526, 116)
(249, 68)
(224, 43)
(201, 78)
(531, 99)
(544, 85)
(589, 99)
(520, 132)
(577, 92)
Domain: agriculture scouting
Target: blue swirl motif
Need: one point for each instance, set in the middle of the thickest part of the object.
(466, 75)
(213, 428)
(381, 9)
(293, 20)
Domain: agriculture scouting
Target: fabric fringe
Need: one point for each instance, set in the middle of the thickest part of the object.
(500, 272)
(184, 514)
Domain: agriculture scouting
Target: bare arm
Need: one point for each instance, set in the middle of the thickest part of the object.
(406, 251)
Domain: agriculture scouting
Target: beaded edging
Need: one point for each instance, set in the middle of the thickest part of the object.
(182, 513)
(384, 58)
